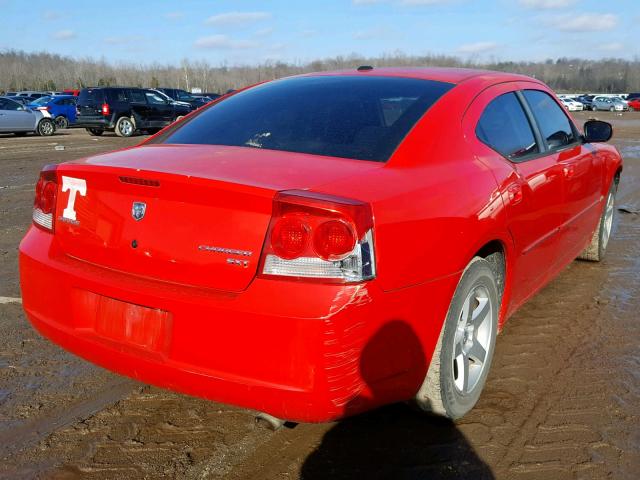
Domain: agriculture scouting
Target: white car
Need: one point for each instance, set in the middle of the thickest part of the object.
(18, 119)
(572, 105)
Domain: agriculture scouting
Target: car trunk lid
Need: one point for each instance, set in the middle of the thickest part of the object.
(194, 215)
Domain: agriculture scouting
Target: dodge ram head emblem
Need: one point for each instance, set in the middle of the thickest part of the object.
(137, 210)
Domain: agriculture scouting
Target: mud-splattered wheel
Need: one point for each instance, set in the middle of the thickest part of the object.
(463, 355)
(598, 246)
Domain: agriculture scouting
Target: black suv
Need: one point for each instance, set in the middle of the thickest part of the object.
(125, 110)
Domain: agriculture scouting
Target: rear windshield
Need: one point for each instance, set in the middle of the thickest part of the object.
(362, 118)
(91, 96)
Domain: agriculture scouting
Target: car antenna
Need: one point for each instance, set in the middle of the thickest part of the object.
(365, 68)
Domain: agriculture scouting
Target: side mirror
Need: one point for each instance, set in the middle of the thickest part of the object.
(597, 131)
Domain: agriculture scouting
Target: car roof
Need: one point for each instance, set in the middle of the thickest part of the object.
(441, 74)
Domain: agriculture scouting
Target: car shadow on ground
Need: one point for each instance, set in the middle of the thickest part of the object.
(397, 441)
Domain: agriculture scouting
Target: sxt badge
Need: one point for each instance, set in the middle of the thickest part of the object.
(73, 186)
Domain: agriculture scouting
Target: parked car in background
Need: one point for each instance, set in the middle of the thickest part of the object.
(634, 104)
(184, 96)
(322, 245)
(211, 95)
(19, 119)
(61, 107)
(74, 92)
(633, 96)
(572, 105)
(125, 110)
(586, 100)
(171, 100)
(30, 93)
(613, 104)
(21, 100)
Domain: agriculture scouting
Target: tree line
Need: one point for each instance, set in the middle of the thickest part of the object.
(21, 70)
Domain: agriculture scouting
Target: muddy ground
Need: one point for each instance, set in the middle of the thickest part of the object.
(562, 400)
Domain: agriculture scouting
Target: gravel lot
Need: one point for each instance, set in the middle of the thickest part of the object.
(562, 400)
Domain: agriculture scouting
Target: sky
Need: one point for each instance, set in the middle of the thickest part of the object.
(247, 32)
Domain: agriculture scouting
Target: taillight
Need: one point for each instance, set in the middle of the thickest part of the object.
(44, 204)
(43, 108)
(317, 236)
(106, 110)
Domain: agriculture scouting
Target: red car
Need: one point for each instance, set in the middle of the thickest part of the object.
(634, 104)
(317, 246)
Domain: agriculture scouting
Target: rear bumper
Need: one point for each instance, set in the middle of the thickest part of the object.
(299, 351)
(101, 122)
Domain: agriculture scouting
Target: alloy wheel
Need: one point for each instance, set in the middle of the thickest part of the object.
(472, 340)
(126, 127)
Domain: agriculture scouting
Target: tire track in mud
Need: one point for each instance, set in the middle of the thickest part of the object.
(32, 432)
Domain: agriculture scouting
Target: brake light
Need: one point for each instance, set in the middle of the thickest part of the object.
(106, 110)
(290, 236)
(44, 204)
(317, 236)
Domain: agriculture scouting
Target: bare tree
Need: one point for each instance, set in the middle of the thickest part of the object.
(46, 71)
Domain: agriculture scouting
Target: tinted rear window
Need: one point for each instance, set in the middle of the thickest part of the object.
(91, 96)
(505, 128)
(362, 118)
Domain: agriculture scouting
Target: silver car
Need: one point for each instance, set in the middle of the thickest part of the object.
(20, 120)
(613, 104)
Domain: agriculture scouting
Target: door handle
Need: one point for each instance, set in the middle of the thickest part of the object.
(568, 170)
(515, 193)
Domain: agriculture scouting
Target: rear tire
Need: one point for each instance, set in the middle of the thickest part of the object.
(600, 240)
(463, 354)
(46, 127)
(96, 132)
(125, 127)
(62, 122)
(611, 109)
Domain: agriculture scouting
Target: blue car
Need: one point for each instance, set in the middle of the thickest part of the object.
(62, 108)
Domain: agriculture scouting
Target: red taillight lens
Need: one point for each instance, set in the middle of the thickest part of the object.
(321, 237)
(333, 239)
(44, 204)
(290, 237)
(106, 110)
(48, 198)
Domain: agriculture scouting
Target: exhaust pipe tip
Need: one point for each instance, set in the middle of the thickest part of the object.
(272, 423)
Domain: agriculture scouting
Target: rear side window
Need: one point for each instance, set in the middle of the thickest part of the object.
(362, 118)
(505, 128)
(137, 96)
(118, 95)
(91, 97)
(555, 127)
(6, 104)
